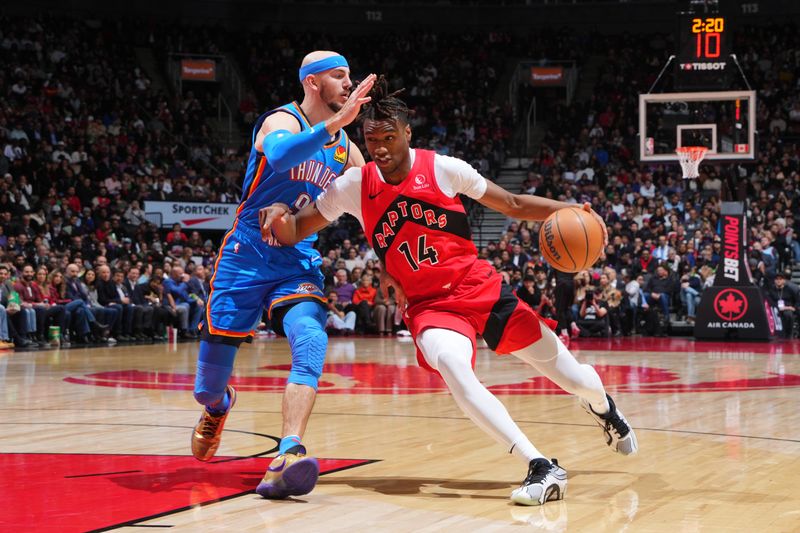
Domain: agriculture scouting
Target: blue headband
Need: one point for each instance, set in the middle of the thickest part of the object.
(323, 64)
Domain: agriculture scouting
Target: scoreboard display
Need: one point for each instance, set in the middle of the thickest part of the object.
(703, 54)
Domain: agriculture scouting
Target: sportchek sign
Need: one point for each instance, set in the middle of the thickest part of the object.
(734, 308)
(193, 215)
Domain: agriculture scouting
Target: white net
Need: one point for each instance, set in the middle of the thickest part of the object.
(690, 158)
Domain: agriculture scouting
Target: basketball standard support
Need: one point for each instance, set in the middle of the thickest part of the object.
(734, 308)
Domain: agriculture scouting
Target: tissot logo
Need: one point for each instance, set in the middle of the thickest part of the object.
(704, 66)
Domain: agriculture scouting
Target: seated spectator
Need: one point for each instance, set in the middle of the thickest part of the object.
(142, 314)
(637, 307)
(786, 298)
(613, 297)
(339, 321)
(593, 318)
(47, 314)
(547, 304)
(198, 286)
(691, 286)
(369, 313)
(86, 290)
(149, 295)
(659, 290)
(80, 318)
(529, 292)
(109, 295)
(21, 321)
(176, 293)
(344, 289)
(176, 236)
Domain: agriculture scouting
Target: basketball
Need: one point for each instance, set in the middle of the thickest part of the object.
(571, 239)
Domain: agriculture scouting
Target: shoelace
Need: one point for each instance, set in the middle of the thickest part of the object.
(210, 425)
(615, 422)
(537, 471)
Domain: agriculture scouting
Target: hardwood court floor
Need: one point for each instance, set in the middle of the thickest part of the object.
(99, 438)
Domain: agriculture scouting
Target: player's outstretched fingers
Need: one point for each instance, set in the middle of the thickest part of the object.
(588, 208)
(352, 107)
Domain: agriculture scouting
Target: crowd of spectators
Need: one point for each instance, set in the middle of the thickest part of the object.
(86, 139)
(664, 248)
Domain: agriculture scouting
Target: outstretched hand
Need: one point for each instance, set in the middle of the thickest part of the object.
(387, 280)
(268, 215)
(352, 107)
(588, 208)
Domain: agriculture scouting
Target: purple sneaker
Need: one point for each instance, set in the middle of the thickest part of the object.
(290, 474)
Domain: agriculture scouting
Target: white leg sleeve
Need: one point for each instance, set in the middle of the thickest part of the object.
(451, 354)
(550, 357)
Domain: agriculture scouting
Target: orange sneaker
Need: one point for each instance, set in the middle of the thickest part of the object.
(290, 474)
(207, 433)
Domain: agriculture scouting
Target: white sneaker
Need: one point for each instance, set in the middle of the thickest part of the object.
(619, 434)
(546, 481)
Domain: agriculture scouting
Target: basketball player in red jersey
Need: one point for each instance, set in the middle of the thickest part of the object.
(407, 203)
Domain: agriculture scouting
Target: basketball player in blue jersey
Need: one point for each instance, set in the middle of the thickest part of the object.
(297, 149)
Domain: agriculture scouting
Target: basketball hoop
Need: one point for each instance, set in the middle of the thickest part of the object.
(690, 158)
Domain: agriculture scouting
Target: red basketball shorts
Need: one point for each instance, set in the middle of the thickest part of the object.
(480, 303)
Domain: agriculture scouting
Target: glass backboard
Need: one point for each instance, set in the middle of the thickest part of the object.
(722, 121)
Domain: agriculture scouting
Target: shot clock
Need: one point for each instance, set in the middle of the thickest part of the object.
(703, 56)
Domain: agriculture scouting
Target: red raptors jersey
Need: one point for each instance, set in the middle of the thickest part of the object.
(421, 235)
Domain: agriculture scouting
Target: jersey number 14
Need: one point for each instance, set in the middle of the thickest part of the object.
(424, 253)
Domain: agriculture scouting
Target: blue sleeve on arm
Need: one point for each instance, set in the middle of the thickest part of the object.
(284, 149)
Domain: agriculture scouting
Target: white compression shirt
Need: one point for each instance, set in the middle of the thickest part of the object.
(453, 176)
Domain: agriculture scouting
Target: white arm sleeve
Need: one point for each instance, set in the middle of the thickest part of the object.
(343, 195)
(455, 176)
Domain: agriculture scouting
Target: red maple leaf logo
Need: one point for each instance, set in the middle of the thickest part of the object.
(730, 305)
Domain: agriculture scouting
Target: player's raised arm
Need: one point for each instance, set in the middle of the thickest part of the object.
(527, 206)
(286, 147)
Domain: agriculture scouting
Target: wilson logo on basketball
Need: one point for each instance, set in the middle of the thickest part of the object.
(549, 237)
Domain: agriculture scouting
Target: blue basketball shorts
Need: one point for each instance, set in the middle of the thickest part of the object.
(250, 275)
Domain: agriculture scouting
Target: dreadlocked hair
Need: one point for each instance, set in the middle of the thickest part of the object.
(383, 104)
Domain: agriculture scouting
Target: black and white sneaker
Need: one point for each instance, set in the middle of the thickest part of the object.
(618, 433)
(546, 481)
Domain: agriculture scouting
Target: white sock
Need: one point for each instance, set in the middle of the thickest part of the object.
(550, 357)
(450, 353)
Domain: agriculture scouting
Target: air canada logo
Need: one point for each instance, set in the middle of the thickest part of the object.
(730, 305)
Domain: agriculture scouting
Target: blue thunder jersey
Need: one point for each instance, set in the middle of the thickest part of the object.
(299, 186)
